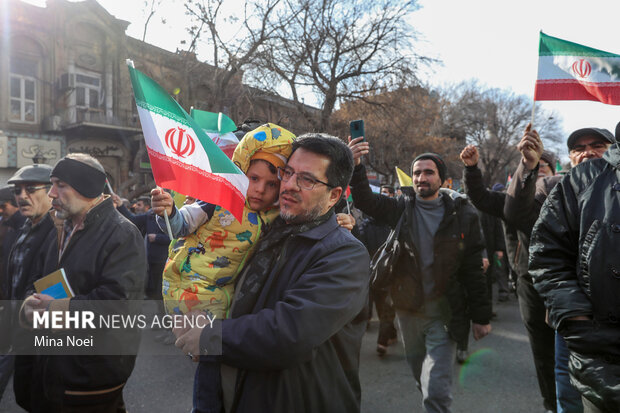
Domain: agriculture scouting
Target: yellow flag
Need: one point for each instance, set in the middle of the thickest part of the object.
(403, 178)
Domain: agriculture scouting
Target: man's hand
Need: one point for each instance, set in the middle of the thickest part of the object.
(161, 201)
(480, 330)
(346, 221)
(151, 237)
(499, 254)
(531, 147)
(36, 303)
(469, 155)
(485, 264)
(359, 149)
(189, 343)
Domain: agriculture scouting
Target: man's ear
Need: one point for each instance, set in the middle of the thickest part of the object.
(334, 196)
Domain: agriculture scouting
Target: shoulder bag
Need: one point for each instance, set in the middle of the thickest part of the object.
(384, 260)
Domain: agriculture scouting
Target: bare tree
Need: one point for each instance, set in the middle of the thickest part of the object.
(340, 50)
(399, 125)
(151, 6)
(493, 120)
(231, 54)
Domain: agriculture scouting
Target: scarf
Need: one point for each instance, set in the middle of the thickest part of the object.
(265, 260)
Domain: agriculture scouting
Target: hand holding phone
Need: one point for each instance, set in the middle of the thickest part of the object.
(356, 128)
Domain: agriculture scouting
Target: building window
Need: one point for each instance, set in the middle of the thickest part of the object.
(23, 90)
(88, 97)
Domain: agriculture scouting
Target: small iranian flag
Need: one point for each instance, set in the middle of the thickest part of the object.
(570, 71)
(183, 158)
(219, 128)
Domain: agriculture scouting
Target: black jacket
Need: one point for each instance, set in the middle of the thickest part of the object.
(26, 260)
(460, 286)
(105, 260)
(575, 265)
(25, 263)
(156, 251)
(492, 203)
(10, 229)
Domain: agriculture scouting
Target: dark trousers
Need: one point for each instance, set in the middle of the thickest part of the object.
(208, 397)
(542, 339)
(386, 314)
(153, 283)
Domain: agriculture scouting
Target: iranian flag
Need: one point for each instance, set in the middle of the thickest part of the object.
(219, 128)
(570, 71)
(183, 157)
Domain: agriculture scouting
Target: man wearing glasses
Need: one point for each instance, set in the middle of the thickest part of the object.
(29, 186)
(292, 342)
(526, 194)
(575, 267)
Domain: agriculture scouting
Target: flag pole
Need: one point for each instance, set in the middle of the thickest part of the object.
(168, 225)
(533, 113)
(109, 186)
(166, 218)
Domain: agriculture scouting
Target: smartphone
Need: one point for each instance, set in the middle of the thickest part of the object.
(357, 128)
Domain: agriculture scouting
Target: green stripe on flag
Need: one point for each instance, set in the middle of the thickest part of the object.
(552, 46)
(151, 96)
(213, 122)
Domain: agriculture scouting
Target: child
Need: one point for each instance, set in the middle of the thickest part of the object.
(213, 246)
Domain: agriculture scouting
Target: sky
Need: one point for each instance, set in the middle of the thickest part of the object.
(494, 41)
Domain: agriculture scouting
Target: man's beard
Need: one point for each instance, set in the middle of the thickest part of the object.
(307, 216)
(426, 192)
(61, 213)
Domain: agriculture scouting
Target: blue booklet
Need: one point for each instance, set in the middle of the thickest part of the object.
(55, 285)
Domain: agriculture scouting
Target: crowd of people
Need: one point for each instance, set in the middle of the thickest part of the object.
(287, 289)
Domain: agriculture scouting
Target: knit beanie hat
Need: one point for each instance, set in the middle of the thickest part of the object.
(441, 165)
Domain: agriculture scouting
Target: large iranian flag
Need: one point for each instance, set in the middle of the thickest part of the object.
(183, 157)
(570, 71)
(219, 128)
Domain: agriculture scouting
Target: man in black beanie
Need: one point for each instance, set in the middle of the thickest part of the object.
(435, 299)
(103, 257)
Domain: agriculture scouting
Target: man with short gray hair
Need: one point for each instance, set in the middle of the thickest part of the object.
(103, 257)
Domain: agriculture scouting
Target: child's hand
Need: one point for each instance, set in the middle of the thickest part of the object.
(345, 221)
(161, 201)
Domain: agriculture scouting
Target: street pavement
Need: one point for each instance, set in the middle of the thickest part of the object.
(498, 377)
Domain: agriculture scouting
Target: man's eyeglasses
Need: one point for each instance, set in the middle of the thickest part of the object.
(304, 180)
(30, 189)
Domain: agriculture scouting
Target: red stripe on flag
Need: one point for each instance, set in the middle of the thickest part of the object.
(186, 179)
(568, 89)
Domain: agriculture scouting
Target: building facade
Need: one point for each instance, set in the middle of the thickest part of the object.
(65, 87)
